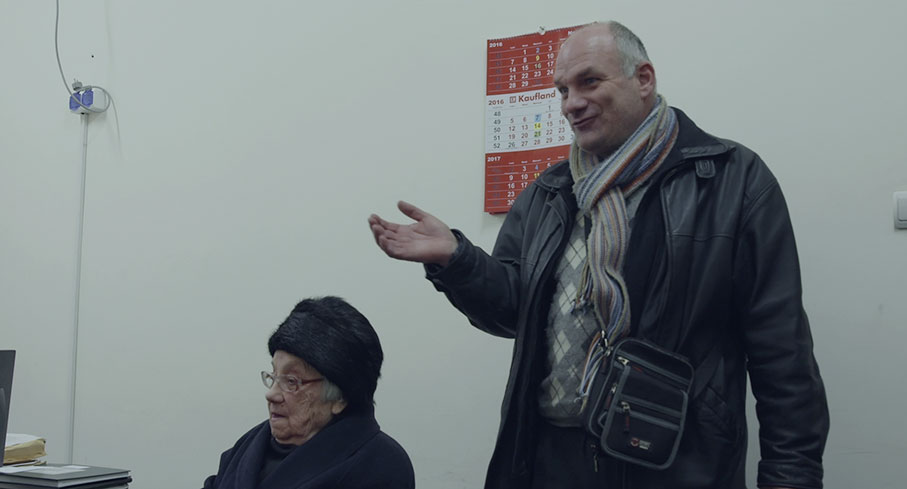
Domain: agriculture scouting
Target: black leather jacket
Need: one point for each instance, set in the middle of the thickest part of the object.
(711, 263)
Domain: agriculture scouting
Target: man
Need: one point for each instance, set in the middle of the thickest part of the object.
(652, 229)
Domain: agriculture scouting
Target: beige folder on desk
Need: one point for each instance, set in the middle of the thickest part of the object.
(22, 448)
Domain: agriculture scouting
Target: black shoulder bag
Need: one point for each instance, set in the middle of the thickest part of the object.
(638, 402)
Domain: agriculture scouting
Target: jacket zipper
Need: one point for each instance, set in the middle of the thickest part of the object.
(669, 251)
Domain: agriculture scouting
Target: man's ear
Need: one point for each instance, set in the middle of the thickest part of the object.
(645, 76)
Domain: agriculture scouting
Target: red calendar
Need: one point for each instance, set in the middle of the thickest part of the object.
(525, 132)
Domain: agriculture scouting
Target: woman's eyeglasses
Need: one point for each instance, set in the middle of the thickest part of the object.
(286, 383)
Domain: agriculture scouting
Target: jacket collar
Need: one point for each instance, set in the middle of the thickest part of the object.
(332, 445)
(692, 142)
(329, 448)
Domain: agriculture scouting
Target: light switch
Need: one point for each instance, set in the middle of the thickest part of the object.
(900, 210)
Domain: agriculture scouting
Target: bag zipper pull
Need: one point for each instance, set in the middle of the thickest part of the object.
(594, 455)
(626, 408)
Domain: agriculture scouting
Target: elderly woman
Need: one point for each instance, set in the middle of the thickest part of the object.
(321, 430)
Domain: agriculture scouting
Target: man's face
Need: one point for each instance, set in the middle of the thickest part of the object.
(295, 417)
(602, 105)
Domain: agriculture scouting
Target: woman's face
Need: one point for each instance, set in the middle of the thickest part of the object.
(295, 417)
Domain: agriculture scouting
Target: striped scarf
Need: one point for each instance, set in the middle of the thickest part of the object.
(600, 188)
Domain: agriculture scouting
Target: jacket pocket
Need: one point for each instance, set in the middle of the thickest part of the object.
(711, 453)
(715, 415)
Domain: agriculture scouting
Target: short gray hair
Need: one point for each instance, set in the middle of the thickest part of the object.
(330, 391)
(632, 52)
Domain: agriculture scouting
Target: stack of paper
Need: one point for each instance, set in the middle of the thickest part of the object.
(60, 476)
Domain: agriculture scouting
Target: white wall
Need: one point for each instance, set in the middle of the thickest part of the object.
(252, 139)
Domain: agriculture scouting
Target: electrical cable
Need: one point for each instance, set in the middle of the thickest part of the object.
(78, 281)
(79, 88)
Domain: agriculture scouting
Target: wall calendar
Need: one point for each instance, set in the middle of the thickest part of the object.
(525, 132)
